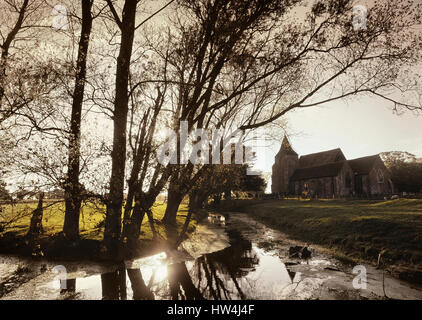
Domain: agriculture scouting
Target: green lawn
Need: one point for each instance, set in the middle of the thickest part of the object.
(90, 221)
(357, 229)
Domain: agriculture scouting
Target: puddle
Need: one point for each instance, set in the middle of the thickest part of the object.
(224, 259)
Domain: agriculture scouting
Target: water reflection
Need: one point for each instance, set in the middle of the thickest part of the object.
(140, 290)
(113, 285)
(181, 283)
(67, 286)
(217, 274)
(239, 271)
(216, 219)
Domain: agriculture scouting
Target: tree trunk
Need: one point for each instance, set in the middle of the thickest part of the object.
(35, 227)
(193, 201)
(139, 288)
(113, 284)
(227, 194)
(184, 230)
(6, 46)
(217, 198)
(129, 208)
(174, 283)
(174, 199)
(110, 286)
(122, 281)
(72, 189)
(113, 220)
(179, 276)
(132, 230)
(197, 200)
(191, 292)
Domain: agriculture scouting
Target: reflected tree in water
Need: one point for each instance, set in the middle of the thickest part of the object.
(179, 278)
(216, 275)
(140, 290)
(67, 286)
(113, 285)
(222, 270)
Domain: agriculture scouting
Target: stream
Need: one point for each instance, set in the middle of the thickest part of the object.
(227, 257)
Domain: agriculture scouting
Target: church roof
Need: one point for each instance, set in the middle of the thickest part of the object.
(326, 170)
(363, 165)
(320, 158)
(286, 147)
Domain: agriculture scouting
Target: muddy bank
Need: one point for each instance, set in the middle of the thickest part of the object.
(382, 233)
(56, 247)
(323, 276)
(51, 243)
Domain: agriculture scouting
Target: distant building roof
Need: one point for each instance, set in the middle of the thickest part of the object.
(321, 158)
(326, 170)
(363, 165)
(286, 147)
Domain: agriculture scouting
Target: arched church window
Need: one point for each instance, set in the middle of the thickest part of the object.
(348, 181)
(380, 176)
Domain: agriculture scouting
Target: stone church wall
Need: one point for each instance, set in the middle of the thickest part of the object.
(283, 170)
(379, 186)
(343, 189)
(326, 186)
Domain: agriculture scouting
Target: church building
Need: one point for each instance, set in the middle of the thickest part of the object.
(328, 174)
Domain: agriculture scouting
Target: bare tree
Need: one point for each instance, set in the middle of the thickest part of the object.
(246, 65)
(73, 194)
(114, 206)
(127, 25)
(23, 75)
(21, 12)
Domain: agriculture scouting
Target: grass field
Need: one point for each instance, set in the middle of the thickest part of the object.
(92, 215)
(356, 229)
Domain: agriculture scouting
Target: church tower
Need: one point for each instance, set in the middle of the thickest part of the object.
(286, 162)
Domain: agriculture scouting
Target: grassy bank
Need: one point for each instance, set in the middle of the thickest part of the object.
(356, 229)
(91, 229)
